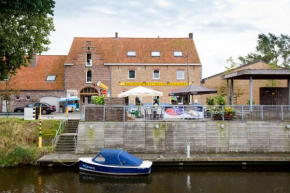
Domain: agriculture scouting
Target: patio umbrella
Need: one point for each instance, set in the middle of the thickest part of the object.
(140, 92)
(192, 90)
(72, 98)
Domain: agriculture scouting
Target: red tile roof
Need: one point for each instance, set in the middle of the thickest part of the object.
(34, 78)
(114, 50)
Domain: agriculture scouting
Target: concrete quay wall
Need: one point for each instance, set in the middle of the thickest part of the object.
(172, 137)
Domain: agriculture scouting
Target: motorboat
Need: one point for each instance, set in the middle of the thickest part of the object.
(115, 162)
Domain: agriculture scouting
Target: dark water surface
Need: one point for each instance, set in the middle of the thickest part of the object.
(162, 179)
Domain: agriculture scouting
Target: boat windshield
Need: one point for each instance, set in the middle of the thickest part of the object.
(117, 158)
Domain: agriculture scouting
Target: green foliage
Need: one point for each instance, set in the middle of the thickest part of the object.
(272, 49)
(217, 110)
(24, 29)
(248, 102)
(220, 100)
(20, 137)
(20, 155)
(98, 100)
(210, 100)
(233, 66)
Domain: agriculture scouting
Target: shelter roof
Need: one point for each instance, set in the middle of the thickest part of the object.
(114, 50)
(193, 90)
(258, 74)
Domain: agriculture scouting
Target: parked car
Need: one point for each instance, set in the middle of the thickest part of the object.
(45, 108)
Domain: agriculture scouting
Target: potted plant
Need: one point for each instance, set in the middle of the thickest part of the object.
(219, 112)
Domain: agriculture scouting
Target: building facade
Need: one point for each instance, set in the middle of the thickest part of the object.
(242, 86)
(41, 81)
(163, 64)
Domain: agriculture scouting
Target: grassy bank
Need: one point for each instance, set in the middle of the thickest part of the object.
(19, 140)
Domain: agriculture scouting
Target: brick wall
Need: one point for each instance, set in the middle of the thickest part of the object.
(94, 113)
(75, 76)
(35, 97)
(145, 73)
(114, 101)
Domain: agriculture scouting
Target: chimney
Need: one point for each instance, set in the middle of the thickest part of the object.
(116, 35)
(190, 36)
(33, 61)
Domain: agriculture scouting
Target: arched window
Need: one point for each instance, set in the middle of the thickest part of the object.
(89, 76)
(131, 74)
(156, 74)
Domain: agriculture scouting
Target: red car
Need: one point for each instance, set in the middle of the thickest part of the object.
(45, 108)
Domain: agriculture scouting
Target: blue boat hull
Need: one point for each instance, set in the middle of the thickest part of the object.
(113, 170)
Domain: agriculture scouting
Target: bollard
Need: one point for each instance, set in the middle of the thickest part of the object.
(188, 150)
(40, 136)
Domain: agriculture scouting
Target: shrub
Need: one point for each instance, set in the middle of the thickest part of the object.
(98, 100)
(210, 100)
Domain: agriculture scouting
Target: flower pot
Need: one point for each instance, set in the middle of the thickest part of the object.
(226, 117)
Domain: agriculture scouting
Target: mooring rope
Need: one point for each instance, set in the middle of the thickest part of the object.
(56, 157)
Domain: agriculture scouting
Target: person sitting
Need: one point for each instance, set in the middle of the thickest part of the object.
(155, 103)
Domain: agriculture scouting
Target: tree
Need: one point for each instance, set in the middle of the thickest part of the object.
(272, 49)
(24, 30)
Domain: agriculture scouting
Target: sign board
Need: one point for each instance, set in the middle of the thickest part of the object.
(153, 84)
(180, 113)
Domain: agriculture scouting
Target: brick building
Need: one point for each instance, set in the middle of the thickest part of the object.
(242, 86)
(125, 63)
(41, 81)
(120, 63)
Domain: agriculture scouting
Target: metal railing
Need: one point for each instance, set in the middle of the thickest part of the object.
(185, 112)
(58, 133)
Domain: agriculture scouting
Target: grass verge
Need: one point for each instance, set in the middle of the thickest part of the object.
(19, 140)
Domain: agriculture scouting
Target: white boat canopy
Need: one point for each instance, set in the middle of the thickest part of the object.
(140, 92)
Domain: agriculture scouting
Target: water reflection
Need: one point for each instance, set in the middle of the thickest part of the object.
(162, 179)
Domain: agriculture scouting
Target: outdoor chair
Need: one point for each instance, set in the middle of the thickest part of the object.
(149, 114)
(159, 114)
(134, 112)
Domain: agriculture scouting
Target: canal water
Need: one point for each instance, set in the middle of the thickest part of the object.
(162, 179)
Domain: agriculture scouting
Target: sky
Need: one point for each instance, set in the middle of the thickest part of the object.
(221, 28)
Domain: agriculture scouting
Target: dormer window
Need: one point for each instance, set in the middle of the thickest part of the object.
(131, 54)
(89, 76)
(89, 60)
(178, 54)
(50, 78)
(155, 54)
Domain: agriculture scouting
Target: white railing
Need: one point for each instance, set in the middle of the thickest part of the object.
(58, 133)
(187, 112)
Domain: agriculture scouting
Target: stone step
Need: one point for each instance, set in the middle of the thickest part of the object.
(66, 143)
(70, 130)
(65, 148)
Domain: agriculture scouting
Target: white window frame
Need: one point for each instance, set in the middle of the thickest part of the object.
(131, 53)
(51, 80)
(177, 75)
(177, 54)
(28, 97)
(91, 60)
(87, 76)
(129, 74)
(155, 54)
(177, 100)
(158, 74)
